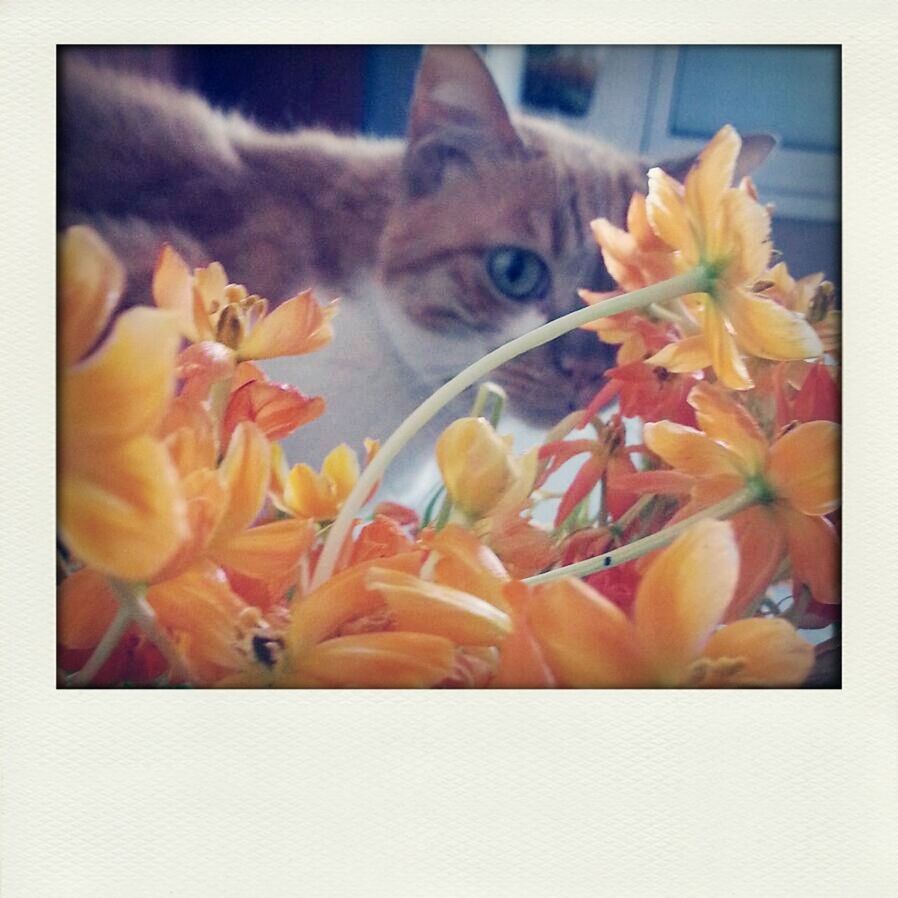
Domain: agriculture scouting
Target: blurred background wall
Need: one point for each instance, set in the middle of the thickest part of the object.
(659, 102)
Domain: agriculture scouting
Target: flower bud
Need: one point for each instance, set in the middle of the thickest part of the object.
(477, 465)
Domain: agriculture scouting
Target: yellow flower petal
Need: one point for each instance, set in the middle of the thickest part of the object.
(586, 640)
(728, 423)
(123, 389)
(709, 177)
(380, 660)
(768, 330)
(689, 450)
(725, 357)
(173, 290)
(91, 281)
(121, 511)
(683, 596)
(769, 652)
(296, 327)
(689, 354)
(245, 470)
(666, 212)
(428, 607)
(804, 467)
(342, 467)
(745, 232)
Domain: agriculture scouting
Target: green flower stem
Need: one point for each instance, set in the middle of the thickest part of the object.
(724, 509)
(133, 607)
(694, 281)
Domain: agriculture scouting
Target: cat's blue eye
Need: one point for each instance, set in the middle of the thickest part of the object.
(518, 273)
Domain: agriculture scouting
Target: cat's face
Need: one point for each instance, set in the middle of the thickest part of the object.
(491, 238)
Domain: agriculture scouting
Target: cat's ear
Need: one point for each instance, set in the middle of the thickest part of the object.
(755, 150)
(456, 112)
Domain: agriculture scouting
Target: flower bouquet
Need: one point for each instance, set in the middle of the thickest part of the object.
(695, 543)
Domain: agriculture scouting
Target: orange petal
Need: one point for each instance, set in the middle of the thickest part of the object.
(725, 357)
(767, 652)
(122, 390)
(245, 469)
(684, 356)
(586, 640)
(723, 419)
(203, 614)
(121, 511)
(521, 664)
(340, 599)
(744, 230)
(295, 327)
(268, 551)
(762, 546)
(804, 467)
(85, 609)
(465, 563)
(428, 607)
(380, 660)
(689, 450)
(277, 409)
(683, 596)
(381, 538)
(91, 280)
(173, 290)
(768, 330)
(666, 213)
(815, 553)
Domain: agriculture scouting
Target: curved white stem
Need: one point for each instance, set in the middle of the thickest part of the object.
(694, 281)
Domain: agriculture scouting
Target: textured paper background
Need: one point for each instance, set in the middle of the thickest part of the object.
(447, 794)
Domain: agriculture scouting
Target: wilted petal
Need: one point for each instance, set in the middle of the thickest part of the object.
(85, 609)
(122, 511)
(277, 409)
(340, 599)
(815, 554)
(295, 327)
(91, 280)
(586, 640)
(689, 450)
(683, 596)
(245, 470)
(723, 419)
(767, 652)
(428, 607)
(380, 660)
(122, 390)
(804, 467)
(768, 330)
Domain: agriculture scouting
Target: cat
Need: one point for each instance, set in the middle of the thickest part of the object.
(472, 231)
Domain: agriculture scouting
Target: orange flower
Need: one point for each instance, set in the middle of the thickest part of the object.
(709, 223)
(120, 507)
(673, 638)
(209, 308)
(796, 478)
